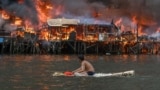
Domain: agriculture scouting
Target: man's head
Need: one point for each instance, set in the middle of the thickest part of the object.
(81, 57)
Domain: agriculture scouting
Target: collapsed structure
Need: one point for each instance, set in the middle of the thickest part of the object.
(84, 26)
(62, 35)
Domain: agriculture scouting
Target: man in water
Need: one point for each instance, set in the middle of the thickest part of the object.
(86, 68)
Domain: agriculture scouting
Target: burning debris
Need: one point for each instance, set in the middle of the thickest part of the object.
(24, 9)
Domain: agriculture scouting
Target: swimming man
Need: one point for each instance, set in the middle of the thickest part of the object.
(86, 68)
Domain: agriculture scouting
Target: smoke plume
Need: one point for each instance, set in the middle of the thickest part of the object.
(25, 10)
(144, 12)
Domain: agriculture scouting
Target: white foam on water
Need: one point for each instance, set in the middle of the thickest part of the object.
(118, 74)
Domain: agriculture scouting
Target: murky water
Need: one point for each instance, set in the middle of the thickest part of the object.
(29, 72)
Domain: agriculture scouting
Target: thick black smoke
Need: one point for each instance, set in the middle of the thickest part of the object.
(80, 9)
(24, 10)
(75, 8)
(146, 9)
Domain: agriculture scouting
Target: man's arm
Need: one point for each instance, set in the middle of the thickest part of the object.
(81, 69)
(77, 70)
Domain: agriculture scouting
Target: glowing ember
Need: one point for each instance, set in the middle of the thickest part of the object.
(5, 15)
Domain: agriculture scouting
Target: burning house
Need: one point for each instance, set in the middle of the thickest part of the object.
(81, 26)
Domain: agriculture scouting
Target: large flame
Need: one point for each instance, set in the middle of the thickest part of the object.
(43, 9)
(46, 9)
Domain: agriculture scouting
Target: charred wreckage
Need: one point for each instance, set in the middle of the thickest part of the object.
(69, 36)
(21, 32)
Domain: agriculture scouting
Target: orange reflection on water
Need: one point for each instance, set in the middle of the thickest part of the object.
(66, 58)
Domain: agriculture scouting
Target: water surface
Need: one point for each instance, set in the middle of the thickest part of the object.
(34, 72)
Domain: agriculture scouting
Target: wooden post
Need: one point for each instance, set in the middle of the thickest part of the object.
(137, 40)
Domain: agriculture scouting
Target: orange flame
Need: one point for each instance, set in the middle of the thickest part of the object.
(5, 15)
(43, 10)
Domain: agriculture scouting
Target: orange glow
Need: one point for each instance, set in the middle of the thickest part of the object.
(18, 22)
(140, 31)
(5, 15)
(134, 19)
(59, 10)
(44, 35)
(43, 10)
(144, 20)
(158, 30)
(118, 22)
(47, 10)
(20, 1)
